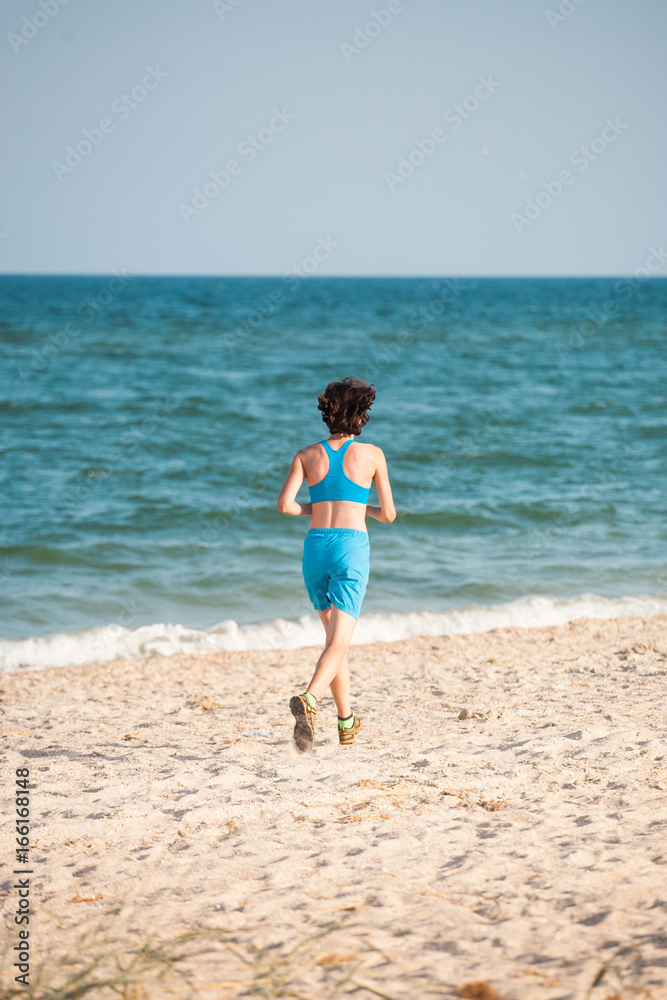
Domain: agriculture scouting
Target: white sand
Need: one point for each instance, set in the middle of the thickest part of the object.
(487, 849)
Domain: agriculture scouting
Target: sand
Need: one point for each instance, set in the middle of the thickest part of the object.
(437, 851)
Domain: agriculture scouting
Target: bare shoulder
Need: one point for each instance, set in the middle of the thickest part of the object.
(373, 449)
(372, 454)
(308, 454)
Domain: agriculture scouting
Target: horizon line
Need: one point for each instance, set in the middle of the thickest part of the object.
(312, 277)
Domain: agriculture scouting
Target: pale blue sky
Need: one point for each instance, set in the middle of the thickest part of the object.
(324, 175)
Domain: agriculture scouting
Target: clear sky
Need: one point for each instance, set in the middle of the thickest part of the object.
(312, 104)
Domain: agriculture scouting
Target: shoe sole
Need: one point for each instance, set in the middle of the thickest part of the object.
(303, 734)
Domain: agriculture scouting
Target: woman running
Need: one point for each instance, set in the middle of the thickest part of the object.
(336, 550)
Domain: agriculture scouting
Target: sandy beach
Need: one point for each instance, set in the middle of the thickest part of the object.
(500, 820)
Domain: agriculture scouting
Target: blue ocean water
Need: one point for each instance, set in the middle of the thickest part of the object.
(148, 424)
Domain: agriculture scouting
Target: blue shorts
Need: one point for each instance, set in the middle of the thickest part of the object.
(336, 563)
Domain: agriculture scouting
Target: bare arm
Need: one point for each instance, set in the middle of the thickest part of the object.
(286, 499)
(386, 512)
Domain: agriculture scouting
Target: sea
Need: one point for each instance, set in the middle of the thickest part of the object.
(148, 424)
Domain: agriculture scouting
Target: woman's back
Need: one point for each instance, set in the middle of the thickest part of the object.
(340, 480)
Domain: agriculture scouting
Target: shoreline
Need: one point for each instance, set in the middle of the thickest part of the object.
(112, 642)
(488, 847)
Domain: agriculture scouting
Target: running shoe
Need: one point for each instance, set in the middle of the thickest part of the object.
(346, 736)
(304, 727)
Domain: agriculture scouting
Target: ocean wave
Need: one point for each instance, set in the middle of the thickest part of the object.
(111, 642)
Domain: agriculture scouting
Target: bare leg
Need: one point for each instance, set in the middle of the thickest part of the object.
(339, 632)
(340, 685)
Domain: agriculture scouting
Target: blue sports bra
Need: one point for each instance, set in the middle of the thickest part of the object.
(336, 485)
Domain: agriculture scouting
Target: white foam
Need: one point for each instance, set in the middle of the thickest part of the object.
(110, 642)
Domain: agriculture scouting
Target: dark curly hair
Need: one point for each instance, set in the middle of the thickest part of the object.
(344, 405)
